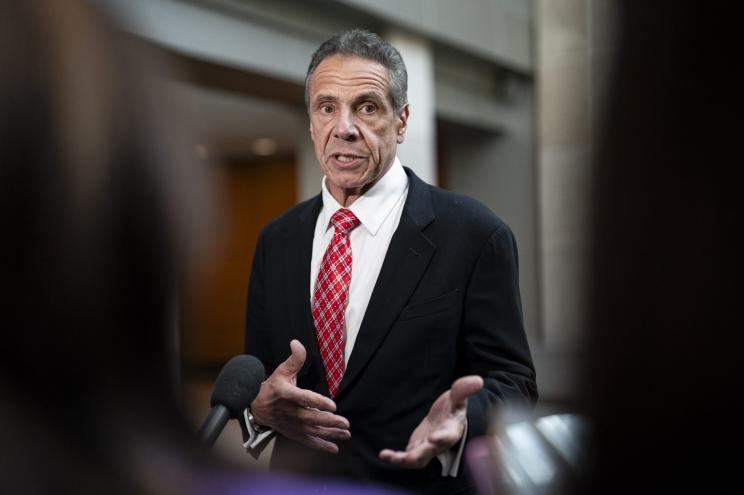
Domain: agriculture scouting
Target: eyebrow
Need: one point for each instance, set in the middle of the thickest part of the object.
(370, 95)
(323, 99)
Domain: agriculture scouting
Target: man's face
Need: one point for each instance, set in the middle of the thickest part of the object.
(352, 123)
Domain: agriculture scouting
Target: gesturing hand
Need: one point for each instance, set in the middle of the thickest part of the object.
(303, 415)
(442, 428)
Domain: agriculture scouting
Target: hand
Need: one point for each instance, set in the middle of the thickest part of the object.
(296, 413)
(442, 428)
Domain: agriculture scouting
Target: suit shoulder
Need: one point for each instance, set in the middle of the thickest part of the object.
(465, 211)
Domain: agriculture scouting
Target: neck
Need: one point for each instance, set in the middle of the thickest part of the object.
(346, 197)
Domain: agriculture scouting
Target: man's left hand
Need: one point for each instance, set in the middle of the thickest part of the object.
(442, 428)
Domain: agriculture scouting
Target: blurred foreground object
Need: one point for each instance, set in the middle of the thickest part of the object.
(102, 207)
(662, 378)
(527, 457)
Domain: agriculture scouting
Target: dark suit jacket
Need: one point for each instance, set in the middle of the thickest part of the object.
(446, 304)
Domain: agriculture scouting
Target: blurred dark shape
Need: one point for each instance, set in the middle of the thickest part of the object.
(101, 208)
(98, 212)
(663, 379)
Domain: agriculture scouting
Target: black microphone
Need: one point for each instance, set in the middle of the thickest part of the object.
(235, 388)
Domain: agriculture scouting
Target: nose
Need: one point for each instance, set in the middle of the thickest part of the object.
(345, 127)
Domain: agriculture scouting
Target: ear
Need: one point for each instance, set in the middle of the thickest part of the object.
(402, 123)
(312, 136)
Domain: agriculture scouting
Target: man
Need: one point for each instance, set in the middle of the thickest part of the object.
(397, 302)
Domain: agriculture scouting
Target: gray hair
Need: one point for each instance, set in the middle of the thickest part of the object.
(364, 44)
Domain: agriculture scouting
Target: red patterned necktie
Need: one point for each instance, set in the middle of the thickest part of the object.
(331, 296)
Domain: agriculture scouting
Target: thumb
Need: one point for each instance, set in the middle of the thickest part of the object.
(294, 362)
(463, 388)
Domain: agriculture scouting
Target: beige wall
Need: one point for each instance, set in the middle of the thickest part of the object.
(574, 48)
(563, 164)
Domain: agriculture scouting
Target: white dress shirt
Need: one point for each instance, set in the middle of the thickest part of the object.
(378, 211)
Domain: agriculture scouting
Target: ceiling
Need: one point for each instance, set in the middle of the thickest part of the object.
(226, 124)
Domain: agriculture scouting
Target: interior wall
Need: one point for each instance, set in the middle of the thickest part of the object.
(575, 43)
(214, 312)
(565, 173)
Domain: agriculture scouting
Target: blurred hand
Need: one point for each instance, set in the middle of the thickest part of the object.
(299, 414)
(441, 429)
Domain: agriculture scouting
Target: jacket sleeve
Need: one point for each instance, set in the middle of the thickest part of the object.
(257, 324)
(493, 340)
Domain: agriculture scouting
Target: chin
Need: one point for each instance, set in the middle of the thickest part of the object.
(347, 179)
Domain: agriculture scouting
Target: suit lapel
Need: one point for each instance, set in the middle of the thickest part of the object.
(298, 247)
(406, 260)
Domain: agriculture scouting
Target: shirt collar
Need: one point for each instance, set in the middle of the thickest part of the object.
(374, 206)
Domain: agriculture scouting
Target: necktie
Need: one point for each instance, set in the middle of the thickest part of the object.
(331, 296)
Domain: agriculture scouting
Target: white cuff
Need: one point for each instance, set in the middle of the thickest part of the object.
(451, 460)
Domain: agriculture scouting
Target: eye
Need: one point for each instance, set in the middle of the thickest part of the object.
(326, 109)
(368, 108)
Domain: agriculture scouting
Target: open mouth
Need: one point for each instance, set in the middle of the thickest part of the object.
(345, 157)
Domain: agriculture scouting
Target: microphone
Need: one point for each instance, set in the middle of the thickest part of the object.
(235, 388)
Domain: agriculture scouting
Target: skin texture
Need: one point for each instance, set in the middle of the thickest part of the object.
(351, 114)
(299, 414)
(355, 132)
(441, 429)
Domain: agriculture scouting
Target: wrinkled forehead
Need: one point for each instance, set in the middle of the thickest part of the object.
(340, 75)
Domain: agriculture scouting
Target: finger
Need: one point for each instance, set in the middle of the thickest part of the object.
(294, 362)
(390, 455)
(415, 458)
(326, 433)
(463, 388)
(322, 418)
(308, 398)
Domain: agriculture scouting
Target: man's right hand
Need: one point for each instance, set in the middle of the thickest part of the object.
(299, 414)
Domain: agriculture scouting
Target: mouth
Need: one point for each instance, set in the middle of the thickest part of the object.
(346, 160)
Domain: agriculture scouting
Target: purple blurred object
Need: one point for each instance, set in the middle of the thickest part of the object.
(271, 484)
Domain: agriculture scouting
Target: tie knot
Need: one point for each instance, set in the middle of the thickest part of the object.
(344, 221)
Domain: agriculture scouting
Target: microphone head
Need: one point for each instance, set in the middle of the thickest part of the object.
(238, 383)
